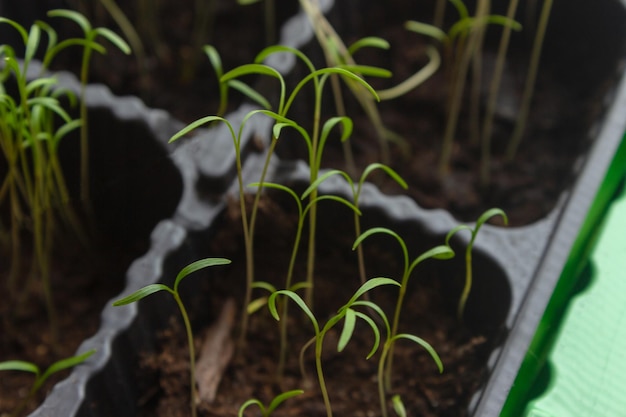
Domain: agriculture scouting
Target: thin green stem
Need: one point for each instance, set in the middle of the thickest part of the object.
(440, 11)
(382, 377)
(192, 353)
(494, 88)
(531, 78)
(314, 172)
(84, 130)
(468, 281)
(283, 324)
(394, 330)
(482, 11)
(249, 236)
(320, 373)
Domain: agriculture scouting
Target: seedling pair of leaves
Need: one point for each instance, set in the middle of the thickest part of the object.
(315, 138)
(462, 45)
(348, 314)
(173, 291)
(34, 186)
(40, 377)
(337, 53)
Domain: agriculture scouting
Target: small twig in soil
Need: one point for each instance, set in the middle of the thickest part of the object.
(215, 354)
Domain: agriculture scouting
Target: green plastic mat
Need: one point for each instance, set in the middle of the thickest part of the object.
(576, 365)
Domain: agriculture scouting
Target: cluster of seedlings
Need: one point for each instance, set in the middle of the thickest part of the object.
(33, 191)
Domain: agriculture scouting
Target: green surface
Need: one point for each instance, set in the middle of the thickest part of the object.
(576, 365)
(588, 359)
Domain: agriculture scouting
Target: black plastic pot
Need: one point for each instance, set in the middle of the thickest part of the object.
(523, 263)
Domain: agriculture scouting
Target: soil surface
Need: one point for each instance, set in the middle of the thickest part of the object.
(173, 72)
(429, 312)
(528, 186)
(82, 280)
(177, 76)
(526, 189)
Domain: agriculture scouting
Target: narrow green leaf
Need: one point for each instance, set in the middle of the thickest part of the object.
(346, 124)
(376, 308)
(374, 328)
(142, 293)
(251, 69)
(440, 252)
(72, 15)
(250, 92)
(398, 405)
(348, 329)
(460, 7)
(321, 178)
(115, 39)
(431, 351)
(65, 129)
(256, 305)
(344, 71)
(300, 285)
(369, 285)
(281, 398)
(67, 363)
(281, 188)
(489, 214)
(388, 170)
(368, 42)
(264, 286)
(19, 366)
(196, 266)
(274, 49)
(214, 59)
(375, 230)
(298, 300)
(249, 403)
(455, 230)
(40, 83)
(22, 31)
(426, 29)
(198, 123)
(333, 198)
(368, 71)
(33, 43)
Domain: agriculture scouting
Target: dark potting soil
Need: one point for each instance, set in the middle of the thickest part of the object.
(175, 73)
(567, 101)
(429, 312)
(82, 280)
(563, 110)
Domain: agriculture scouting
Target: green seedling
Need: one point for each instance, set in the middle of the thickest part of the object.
(531, 77)
(302, 213)
(32, 125)
(468, 251)
(337, 53)
(494, 89)
(89, 44)
(463, 41)
(386, 349)
(153, 288)
(438, 252)
(398, 406)
(356, 195)
(41, 377)
(315, 141)
(273, 405)
(129, 31)
(346, 313)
